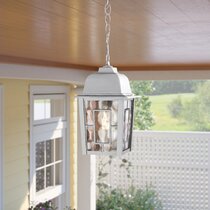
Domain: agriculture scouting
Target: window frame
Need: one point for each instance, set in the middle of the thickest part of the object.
(1, 147)
(40, 136)
(47, 129)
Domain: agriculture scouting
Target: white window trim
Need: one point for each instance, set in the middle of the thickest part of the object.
(1, 147)
(37, 132)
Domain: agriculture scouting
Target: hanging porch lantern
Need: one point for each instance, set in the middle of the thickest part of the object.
(106, 108)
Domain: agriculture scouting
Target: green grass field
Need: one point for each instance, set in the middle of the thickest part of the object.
(163, 119)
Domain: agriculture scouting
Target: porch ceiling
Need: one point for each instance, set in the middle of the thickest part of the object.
(146, 34)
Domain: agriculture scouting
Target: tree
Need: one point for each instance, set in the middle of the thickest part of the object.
(197, 111)
(143, 118)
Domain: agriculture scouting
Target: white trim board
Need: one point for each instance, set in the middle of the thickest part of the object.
(1, 147)
(75, 76)
(17, 71)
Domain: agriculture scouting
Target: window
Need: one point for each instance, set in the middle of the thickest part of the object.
(48, 147)
(1, 146)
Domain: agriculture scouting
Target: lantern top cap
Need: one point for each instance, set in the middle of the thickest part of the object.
(107, 81)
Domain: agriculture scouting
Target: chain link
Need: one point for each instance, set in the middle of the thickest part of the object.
(107, 11)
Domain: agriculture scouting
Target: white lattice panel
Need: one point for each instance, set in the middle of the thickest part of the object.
(175, 164)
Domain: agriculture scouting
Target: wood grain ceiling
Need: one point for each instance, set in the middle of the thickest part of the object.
(146, 34)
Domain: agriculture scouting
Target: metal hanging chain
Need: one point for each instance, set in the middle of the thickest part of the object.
(107, 11)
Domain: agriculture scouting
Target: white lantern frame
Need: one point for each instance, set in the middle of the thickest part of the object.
(107, 86)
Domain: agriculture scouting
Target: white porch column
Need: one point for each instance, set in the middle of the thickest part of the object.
(86, 181)
(86, 178)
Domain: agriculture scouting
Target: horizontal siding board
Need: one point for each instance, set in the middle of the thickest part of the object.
(16, 180)
(18, 99)
(16, 153)
(16, 166)
(17, 198)
(17, 112)
(18, 204)
(17, 139)
(15, 192)
(16, 126)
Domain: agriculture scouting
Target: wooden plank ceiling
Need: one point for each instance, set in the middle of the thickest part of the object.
(146, 34)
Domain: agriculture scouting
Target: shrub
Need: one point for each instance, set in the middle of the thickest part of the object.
(43, 206)
(131, 199)
(47, 206)
(175, 107)
(123, 199)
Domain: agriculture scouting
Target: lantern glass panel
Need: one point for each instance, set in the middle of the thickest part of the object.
(128, 121)
(101, 125)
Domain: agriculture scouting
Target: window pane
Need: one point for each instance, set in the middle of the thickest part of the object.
(127, 123)
(50, 176)
(90, 106)
(40, 148)
(48, 108)
(49, 151)
(58, 149)
(114, 110)
(42, 109)
(58, 173)
(57, 107)
(90, 133)
(39, 180)
(114, 138)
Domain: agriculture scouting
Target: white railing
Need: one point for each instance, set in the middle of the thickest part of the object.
(176, 164)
